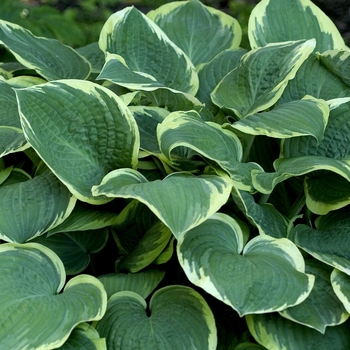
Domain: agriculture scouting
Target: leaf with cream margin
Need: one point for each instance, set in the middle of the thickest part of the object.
(312, 311)
(261, 77)
(11, 134)
(265, 217)
(35, 312)
(143, 56)
(308, 116)
(341, 286)
(329, 242)
(275, 332)
(337, 62)
(29, 209)
(177, 317)
(48, 57)
(267, 275)
(208, 139)
(188, 24)
(84, 337)
(80, 130)
(181, 201)
(274, 21)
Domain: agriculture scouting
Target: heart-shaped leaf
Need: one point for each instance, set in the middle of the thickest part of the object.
(179, 318)
(33, 313)
(274, 20)
(81, 130)
(144, 57)
(197, 21)
(260, 78)
(50, 58)
(254, 282)
(31, 208)
(181, 201)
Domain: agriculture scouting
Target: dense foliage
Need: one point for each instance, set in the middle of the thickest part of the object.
(164, 188)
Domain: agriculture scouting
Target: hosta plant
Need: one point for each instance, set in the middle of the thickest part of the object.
(163, 188)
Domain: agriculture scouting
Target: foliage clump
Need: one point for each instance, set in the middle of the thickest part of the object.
(165, 188)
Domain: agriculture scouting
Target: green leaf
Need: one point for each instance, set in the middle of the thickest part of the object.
(214, 143)
(308, 116)
(328, 85)
(75, 248)
(322, 308)
(80, 130)
(329, 242)
(179, 318)
(149, 247)
(276, 332)
(48, 57)
(11, 134)
(31, 208)
(260, 78)
(326, 191)
(266, 217)
(252, 282)
(84, 337)
(296, 166)
(144, 57)
(84, 217)
(211, 73)
(143, 282)
(335, 144)
(147, 119)
(181, 201)
(34, 315)
(188, 23)
(274, 21)
(341, 286)
(94, 55)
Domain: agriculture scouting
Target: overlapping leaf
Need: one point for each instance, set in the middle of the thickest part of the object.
(275, 20)
(144, 57)
(188, 24)
(181, 201)
(148, 248)
(265, 217)
(84, 337)
(260, 78)
(179, 318)
(329, 242)
(31, 208)
(142, 282)
(81, 131)
(217, 145)
(267, 275)
(211, 73)
(75, 248)
(50, 58)
(33, 313)
(308, 116)
(275, 332)
(11, 134)
(321, 308)
(328, 86)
